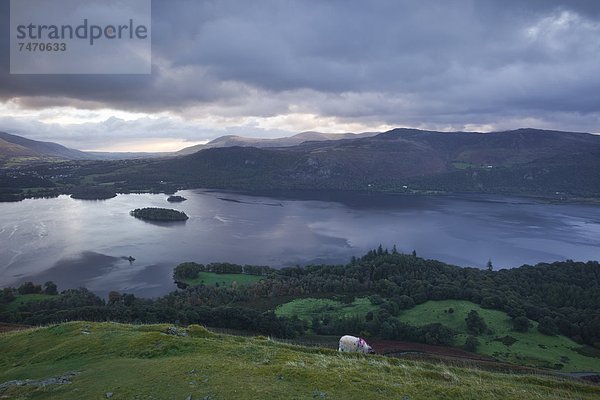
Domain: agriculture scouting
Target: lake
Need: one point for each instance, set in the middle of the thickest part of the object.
(86, 243)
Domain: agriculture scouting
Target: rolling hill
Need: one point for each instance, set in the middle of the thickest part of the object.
(106, 360)
(20, 150)
(554, 165)
(234, 140)
(13, 146)
(524, 161)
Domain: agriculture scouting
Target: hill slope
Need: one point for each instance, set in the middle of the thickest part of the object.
(9, 149)
(13, 146)
(143, 361)
(234, 140)
(525, 161)
(550, 164)
(20, 150)
(525, 348)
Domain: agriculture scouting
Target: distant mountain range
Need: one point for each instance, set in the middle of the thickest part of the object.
(18, 148)
(233, 140)
(522, 161)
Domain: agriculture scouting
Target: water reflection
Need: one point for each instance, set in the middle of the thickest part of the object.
(87, 243)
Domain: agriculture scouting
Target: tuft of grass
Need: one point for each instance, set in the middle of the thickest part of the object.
(144, 362)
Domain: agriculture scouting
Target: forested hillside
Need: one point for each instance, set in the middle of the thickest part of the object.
(564, 297)
(550, 164)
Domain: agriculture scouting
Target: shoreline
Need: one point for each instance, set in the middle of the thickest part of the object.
(321, 194)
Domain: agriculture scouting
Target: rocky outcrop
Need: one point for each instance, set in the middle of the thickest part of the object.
(63, 379)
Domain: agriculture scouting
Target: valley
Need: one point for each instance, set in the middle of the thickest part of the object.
(313, 240)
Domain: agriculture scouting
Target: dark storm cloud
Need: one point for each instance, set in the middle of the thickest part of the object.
(399, 62)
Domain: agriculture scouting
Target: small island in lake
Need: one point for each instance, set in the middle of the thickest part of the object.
(176, 199)
(159, 214)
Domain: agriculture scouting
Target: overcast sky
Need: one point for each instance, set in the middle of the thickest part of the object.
(276, 68)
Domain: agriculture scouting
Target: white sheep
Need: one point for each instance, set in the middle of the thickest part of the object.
(354, 344)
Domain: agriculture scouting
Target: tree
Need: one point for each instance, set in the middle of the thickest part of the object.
(316, 324)
(437, 334)
(414, 253)
(114, 297)
(128, 299)
(520, 323)
(405, 302)
(8, 295)
(50, 288)
(376, 300)
(475, 324)
(29, 288)
(547, 326)
(489, 265)
(471, 343)
(394, 250)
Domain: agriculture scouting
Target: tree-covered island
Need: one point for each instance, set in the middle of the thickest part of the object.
(159, 214)
(176, 199)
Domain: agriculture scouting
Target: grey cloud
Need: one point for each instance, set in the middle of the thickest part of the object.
(396, 62)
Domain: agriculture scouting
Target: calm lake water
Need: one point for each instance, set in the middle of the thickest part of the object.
(86, 243)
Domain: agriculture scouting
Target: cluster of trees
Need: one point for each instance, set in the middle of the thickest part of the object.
(81, 304)
(475, 324)
(563, 297)
(191, 269)
(383, 324)
(159, 214)
(8, 294)
(563, 294)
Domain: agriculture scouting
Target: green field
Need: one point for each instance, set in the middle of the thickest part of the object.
(142, 362)
(27, 298)
(212, 279)
(531, 348)
(310, 307)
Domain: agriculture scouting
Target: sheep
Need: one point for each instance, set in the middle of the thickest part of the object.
(354, 344)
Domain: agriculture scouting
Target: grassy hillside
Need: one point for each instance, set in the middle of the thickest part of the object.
(530, 348)
(310, 307)
(27, 298)
(143, 362)
(28, 147)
